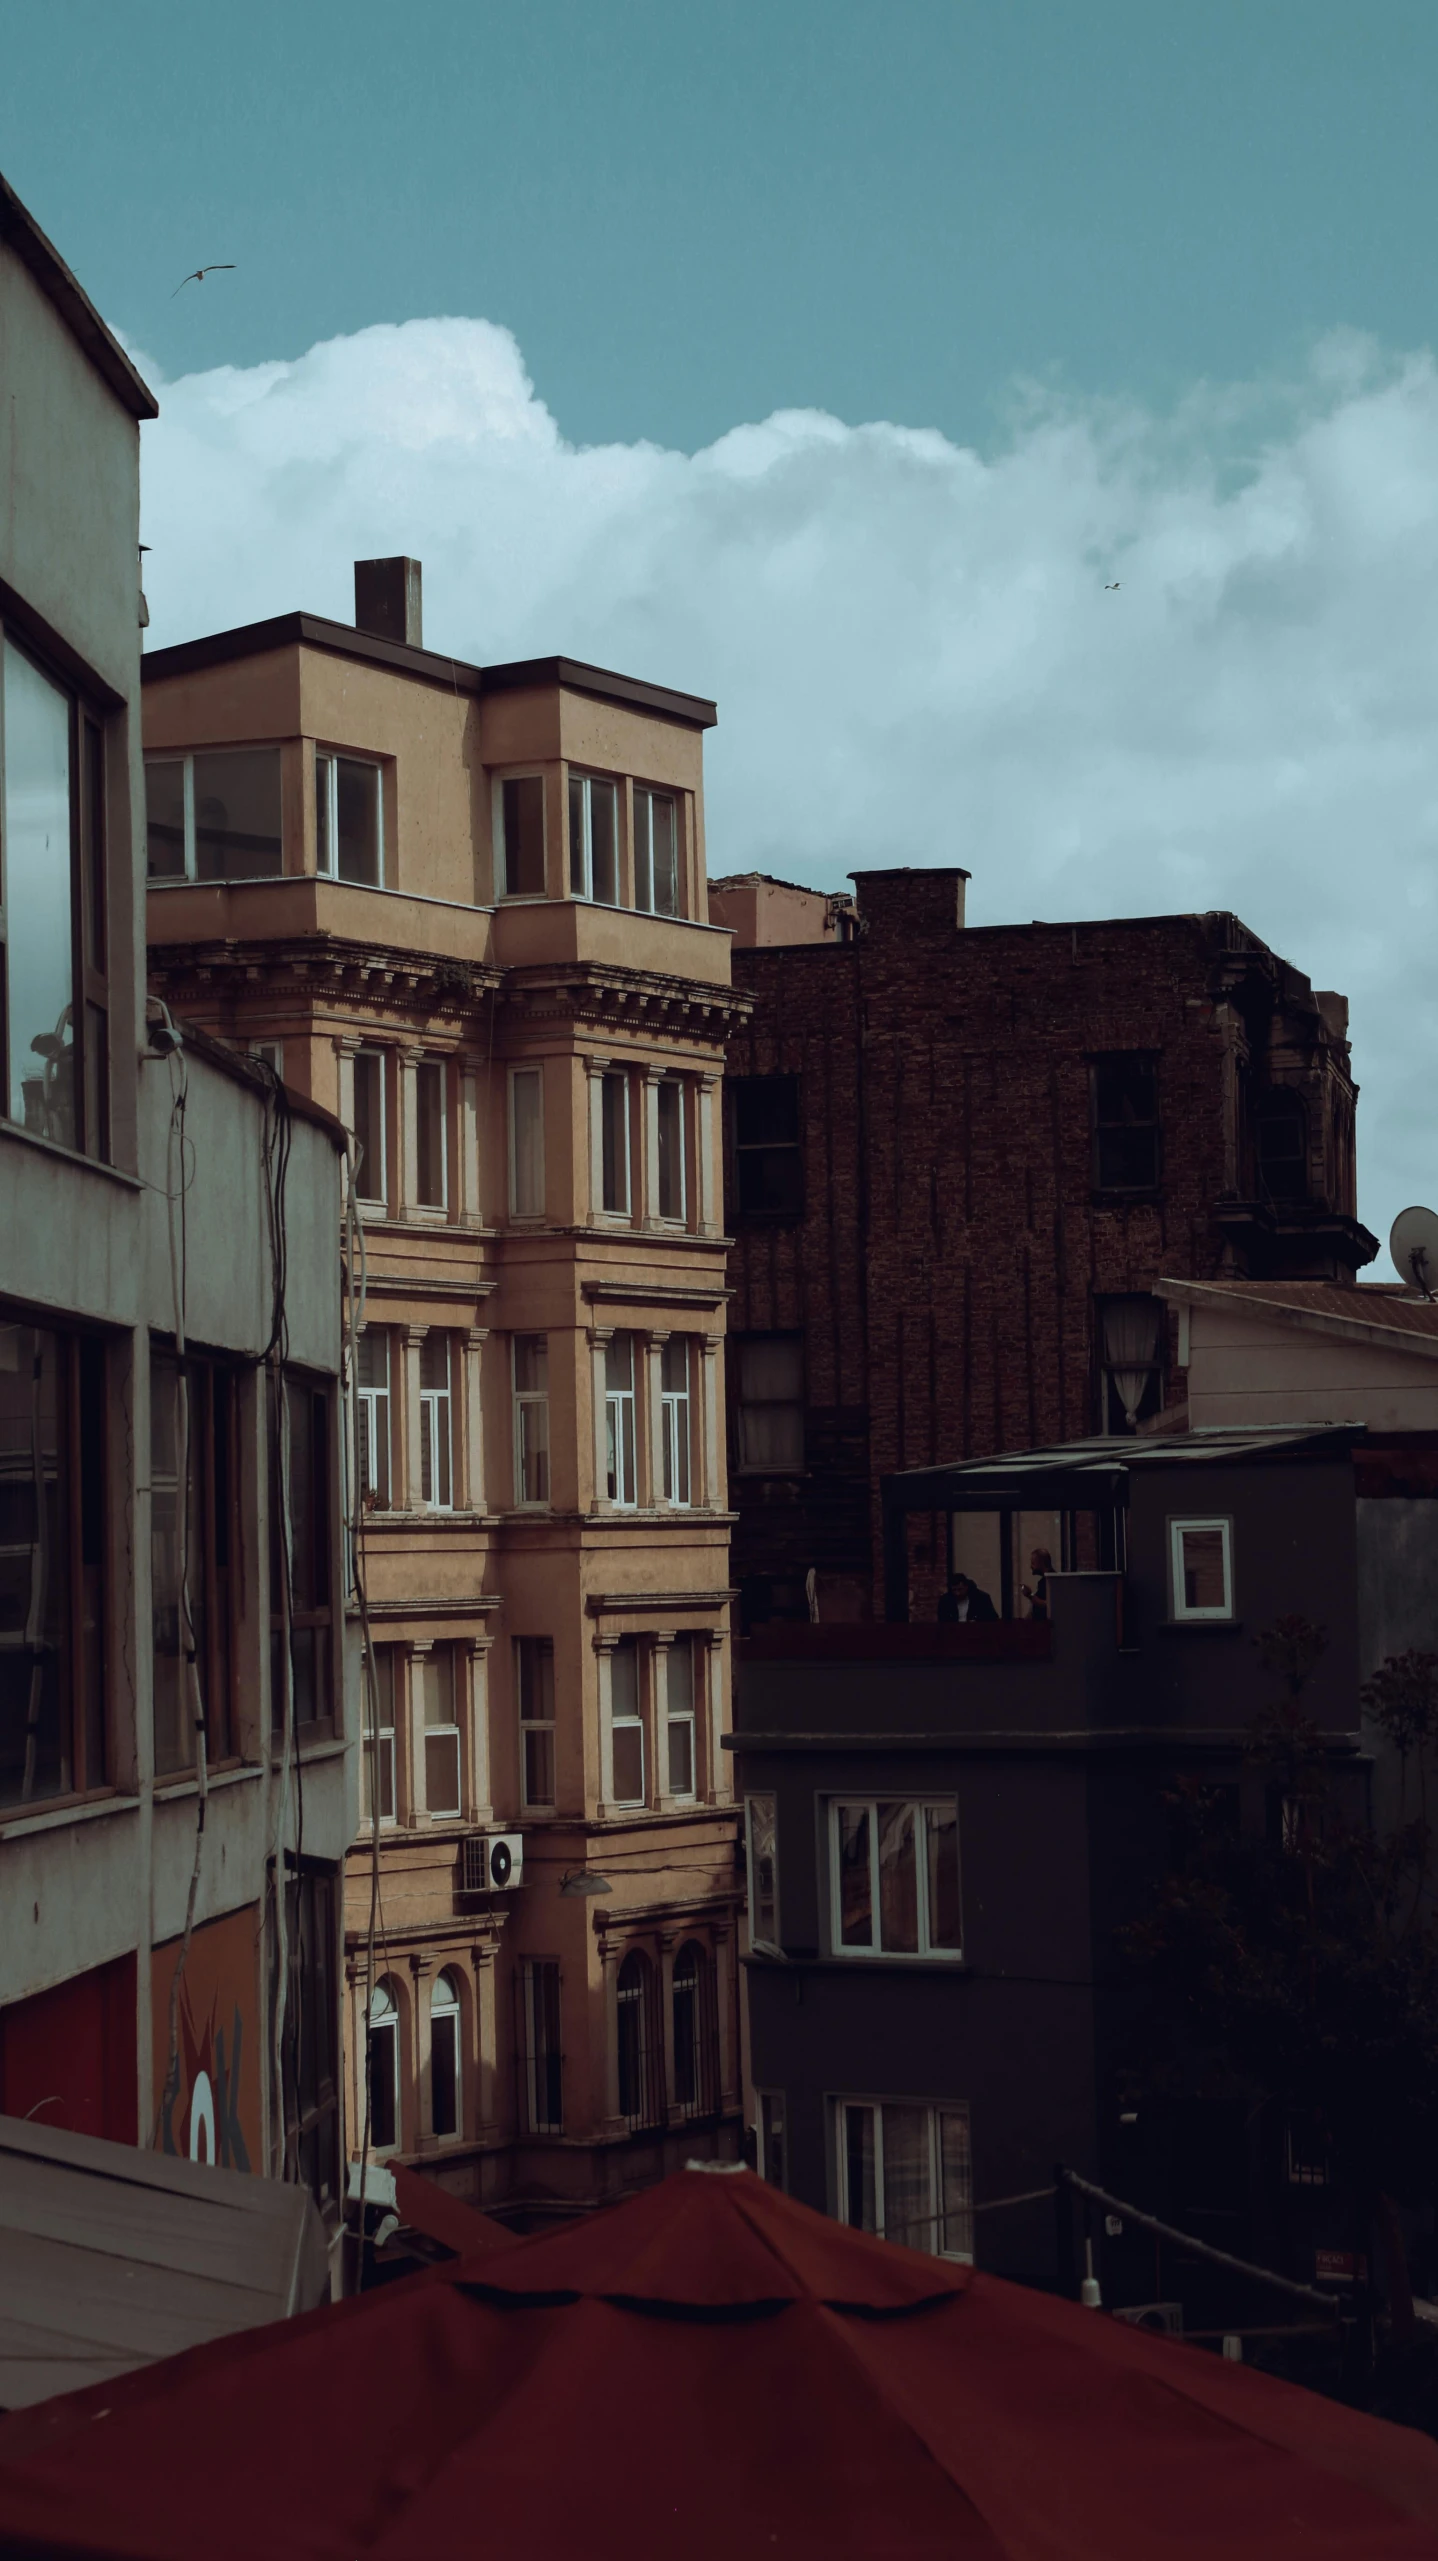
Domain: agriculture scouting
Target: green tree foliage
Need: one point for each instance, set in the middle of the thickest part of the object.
(1304, 1960)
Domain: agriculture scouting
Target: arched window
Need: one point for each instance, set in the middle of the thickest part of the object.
(696, 2032)
(383, 2056)
(446, 2090)
(1281, 1128)
(640, 2052)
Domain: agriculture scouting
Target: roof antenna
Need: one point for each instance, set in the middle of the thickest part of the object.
(1413, 1244)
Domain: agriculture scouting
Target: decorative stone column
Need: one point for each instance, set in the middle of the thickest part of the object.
(408, 1496)
(479, 1787)
(597, 1070)
(469, 1205)
(708, 1208)
(659, 1711)
(719, 1789)
(651, 1432)
(604, 1668)
(406, 1185)
(650, 1080)
(471, 1491)
(600, 1337)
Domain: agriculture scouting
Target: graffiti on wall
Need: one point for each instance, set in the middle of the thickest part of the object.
(207, 2092)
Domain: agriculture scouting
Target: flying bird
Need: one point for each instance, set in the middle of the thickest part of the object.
(1110, 585)
(197, 275)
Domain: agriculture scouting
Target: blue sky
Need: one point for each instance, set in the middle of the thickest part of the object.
(692, 215)
(836, 358)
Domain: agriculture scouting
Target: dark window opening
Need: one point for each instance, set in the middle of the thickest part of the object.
(696, 2032)
(194, 1497)
(541, 2061)
(641, 2044)
(1281, 1132)
(768, 1153)
(309, 2049)
(522, 836)
(52, 1577)
(300, 1569)
(1126, 1156)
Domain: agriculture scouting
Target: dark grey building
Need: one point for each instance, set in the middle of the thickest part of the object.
(949, 1823)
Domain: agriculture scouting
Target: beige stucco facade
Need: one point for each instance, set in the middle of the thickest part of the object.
(1306, 1352)
(423, 995)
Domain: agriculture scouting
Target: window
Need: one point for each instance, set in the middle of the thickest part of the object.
(526, 1142)
(593, 839)
(641, 2045)
(371, 1135)
(521, 837)
(192, 1445)
(772, 2162)
(540, 2060)
(372, 1390)
(620, 1485)
(626, 1723)
(52, 1551)
(434, 1682)
(768, 1159)
(1281, 1130)
(215, 816)
(1125, 1122)
(669, 1105)
(674, 1359)
(431, 1099)
(309, 2048)
(696, 2032)
(656, 852)
(681, 1689)
(349, 820)
(53, 997)
(435, 1455)
(1201, 1557)
(531, 1418)
(895, 1878)
(761, 1826)
(907, 2174)
(1131, 1361)
(300, 1570)
(382, 2057)
(271, 1054)
(378, 1691)
(1307, 2155)
(446, 2087)
(534, 1681)
(770, 1374)
(614, 1142)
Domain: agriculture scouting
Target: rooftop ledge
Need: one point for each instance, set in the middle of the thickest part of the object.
(1016, 1640)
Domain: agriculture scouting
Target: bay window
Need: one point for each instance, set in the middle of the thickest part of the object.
(519, 831)
(656, 852)
(349, 820)
(594, 839)
(215, 816)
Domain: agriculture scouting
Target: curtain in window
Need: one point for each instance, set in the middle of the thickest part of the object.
(1130, 1349)
(908, 2186)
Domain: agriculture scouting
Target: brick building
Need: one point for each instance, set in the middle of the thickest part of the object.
(958, 1163)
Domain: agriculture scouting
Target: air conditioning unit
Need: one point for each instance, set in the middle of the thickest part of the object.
(493, 1862)
(1165, 2317)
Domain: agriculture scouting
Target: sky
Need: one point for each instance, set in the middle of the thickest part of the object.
(833, 357)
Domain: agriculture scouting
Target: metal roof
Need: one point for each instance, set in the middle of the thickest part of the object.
(1094, 1474)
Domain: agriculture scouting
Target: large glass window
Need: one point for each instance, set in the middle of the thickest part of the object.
(435, 1437)
(682, 1691)
(656, 852)
(382, 2056)
(534, 1682)
(541, 2058)
(434, 1680)
(370, 1125)
(906, 2172)
(300, 1565)
(52, 911)
(673, 1187)
(531, 1418)
(619, 1437)
(895, 1878)
(194, 1515)
(445, 2054)
(374, 1419)
(379, 1771)
(593, 839)
(1202, 1560)
(521, 837)
(675, 1358)
(768, 1157)
(526, 1142)
(626, 1723)
(52, 1552)
(769, 1375)
(215, 816)
(1131, 1361)
(349, 820)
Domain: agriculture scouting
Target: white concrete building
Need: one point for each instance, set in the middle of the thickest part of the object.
(178, 1701)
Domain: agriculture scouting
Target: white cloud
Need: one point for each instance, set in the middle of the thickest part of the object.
(912, 648)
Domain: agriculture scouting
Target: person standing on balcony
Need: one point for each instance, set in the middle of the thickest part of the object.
(963, 1602)
(1041, 1565)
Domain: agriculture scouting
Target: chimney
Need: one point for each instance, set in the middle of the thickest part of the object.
(387, 600)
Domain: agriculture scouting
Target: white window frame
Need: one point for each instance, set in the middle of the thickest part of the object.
(378, 1745)
(685, 1716)
(271, 1054)
(436, 1430)
(621, 1433)
(763, 1797)
(330, 760)
(676, 1422)
(925, 1953)
(445, 2002)
(644, 855)
(631, 1721)
(186, 756)
(623, 1208)
(936, 2110)
(588, 784)
(378, 1199)
(503, 892)
(443, 1656)
(377, 1446)
(535, 1724)
(679, 1217)
(524, 1399)
(1178, 1524)
(518, 1076)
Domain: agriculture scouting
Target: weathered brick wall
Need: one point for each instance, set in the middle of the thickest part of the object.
(945, 1268)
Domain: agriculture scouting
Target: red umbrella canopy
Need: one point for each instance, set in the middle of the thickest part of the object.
(706, 2371)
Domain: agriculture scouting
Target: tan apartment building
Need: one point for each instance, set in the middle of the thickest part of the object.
(465, 909)
(174, 1811)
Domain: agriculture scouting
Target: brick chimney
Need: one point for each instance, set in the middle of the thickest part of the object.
(913, 903)
(387, 600)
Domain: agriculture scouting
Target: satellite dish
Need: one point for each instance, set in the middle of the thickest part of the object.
(1413, 1244)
